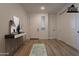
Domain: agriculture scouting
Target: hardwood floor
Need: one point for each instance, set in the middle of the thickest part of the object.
(54, 48)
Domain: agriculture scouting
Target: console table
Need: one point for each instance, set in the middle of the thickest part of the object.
(13, 42)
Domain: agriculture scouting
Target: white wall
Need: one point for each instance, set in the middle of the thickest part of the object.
(66, 28)
(51, 26)
(6, 11)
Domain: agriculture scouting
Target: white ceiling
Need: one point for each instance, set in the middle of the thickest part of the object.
(49, 7)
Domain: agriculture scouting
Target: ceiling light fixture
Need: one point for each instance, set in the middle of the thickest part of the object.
(42, 8)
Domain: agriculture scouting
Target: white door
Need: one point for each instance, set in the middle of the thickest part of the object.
(34, 20)
(43, 26)
(77, 30)
(39, 26)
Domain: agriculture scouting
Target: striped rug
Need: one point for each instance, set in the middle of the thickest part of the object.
(38, 50)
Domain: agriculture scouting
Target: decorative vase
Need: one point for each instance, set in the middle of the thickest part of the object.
(18, 29)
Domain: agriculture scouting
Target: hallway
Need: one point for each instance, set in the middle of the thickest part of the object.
(54, 48)
(51, 23)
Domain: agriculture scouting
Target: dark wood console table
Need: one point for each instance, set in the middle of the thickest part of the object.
(13, 42)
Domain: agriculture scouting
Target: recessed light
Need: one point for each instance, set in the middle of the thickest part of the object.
(42, 8)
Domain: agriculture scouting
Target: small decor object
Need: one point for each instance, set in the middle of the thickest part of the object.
(18, 29)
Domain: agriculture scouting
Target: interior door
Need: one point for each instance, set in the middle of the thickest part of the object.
(39, 26)
(34, 30)
(77, 30)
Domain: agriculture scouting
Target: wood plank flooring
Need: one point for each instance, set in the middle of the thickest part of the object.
(54, 47)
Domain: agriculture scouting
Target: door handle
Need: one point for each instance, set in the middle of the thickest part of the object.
(77, 31)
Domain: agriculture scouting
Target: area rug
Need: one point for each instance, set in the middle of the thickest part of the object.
(38, 50)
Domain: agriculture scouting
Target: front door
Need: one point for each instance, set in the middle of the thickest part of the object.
(39, 26)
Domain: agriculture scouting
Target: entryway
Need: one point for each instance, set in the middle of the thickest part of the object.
(39, 26)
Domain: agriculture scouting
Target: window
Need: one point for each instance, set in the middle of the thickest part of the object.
(42, 23)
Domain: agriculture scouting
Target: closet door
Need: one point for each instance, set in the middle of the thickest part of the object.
(77, 30)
